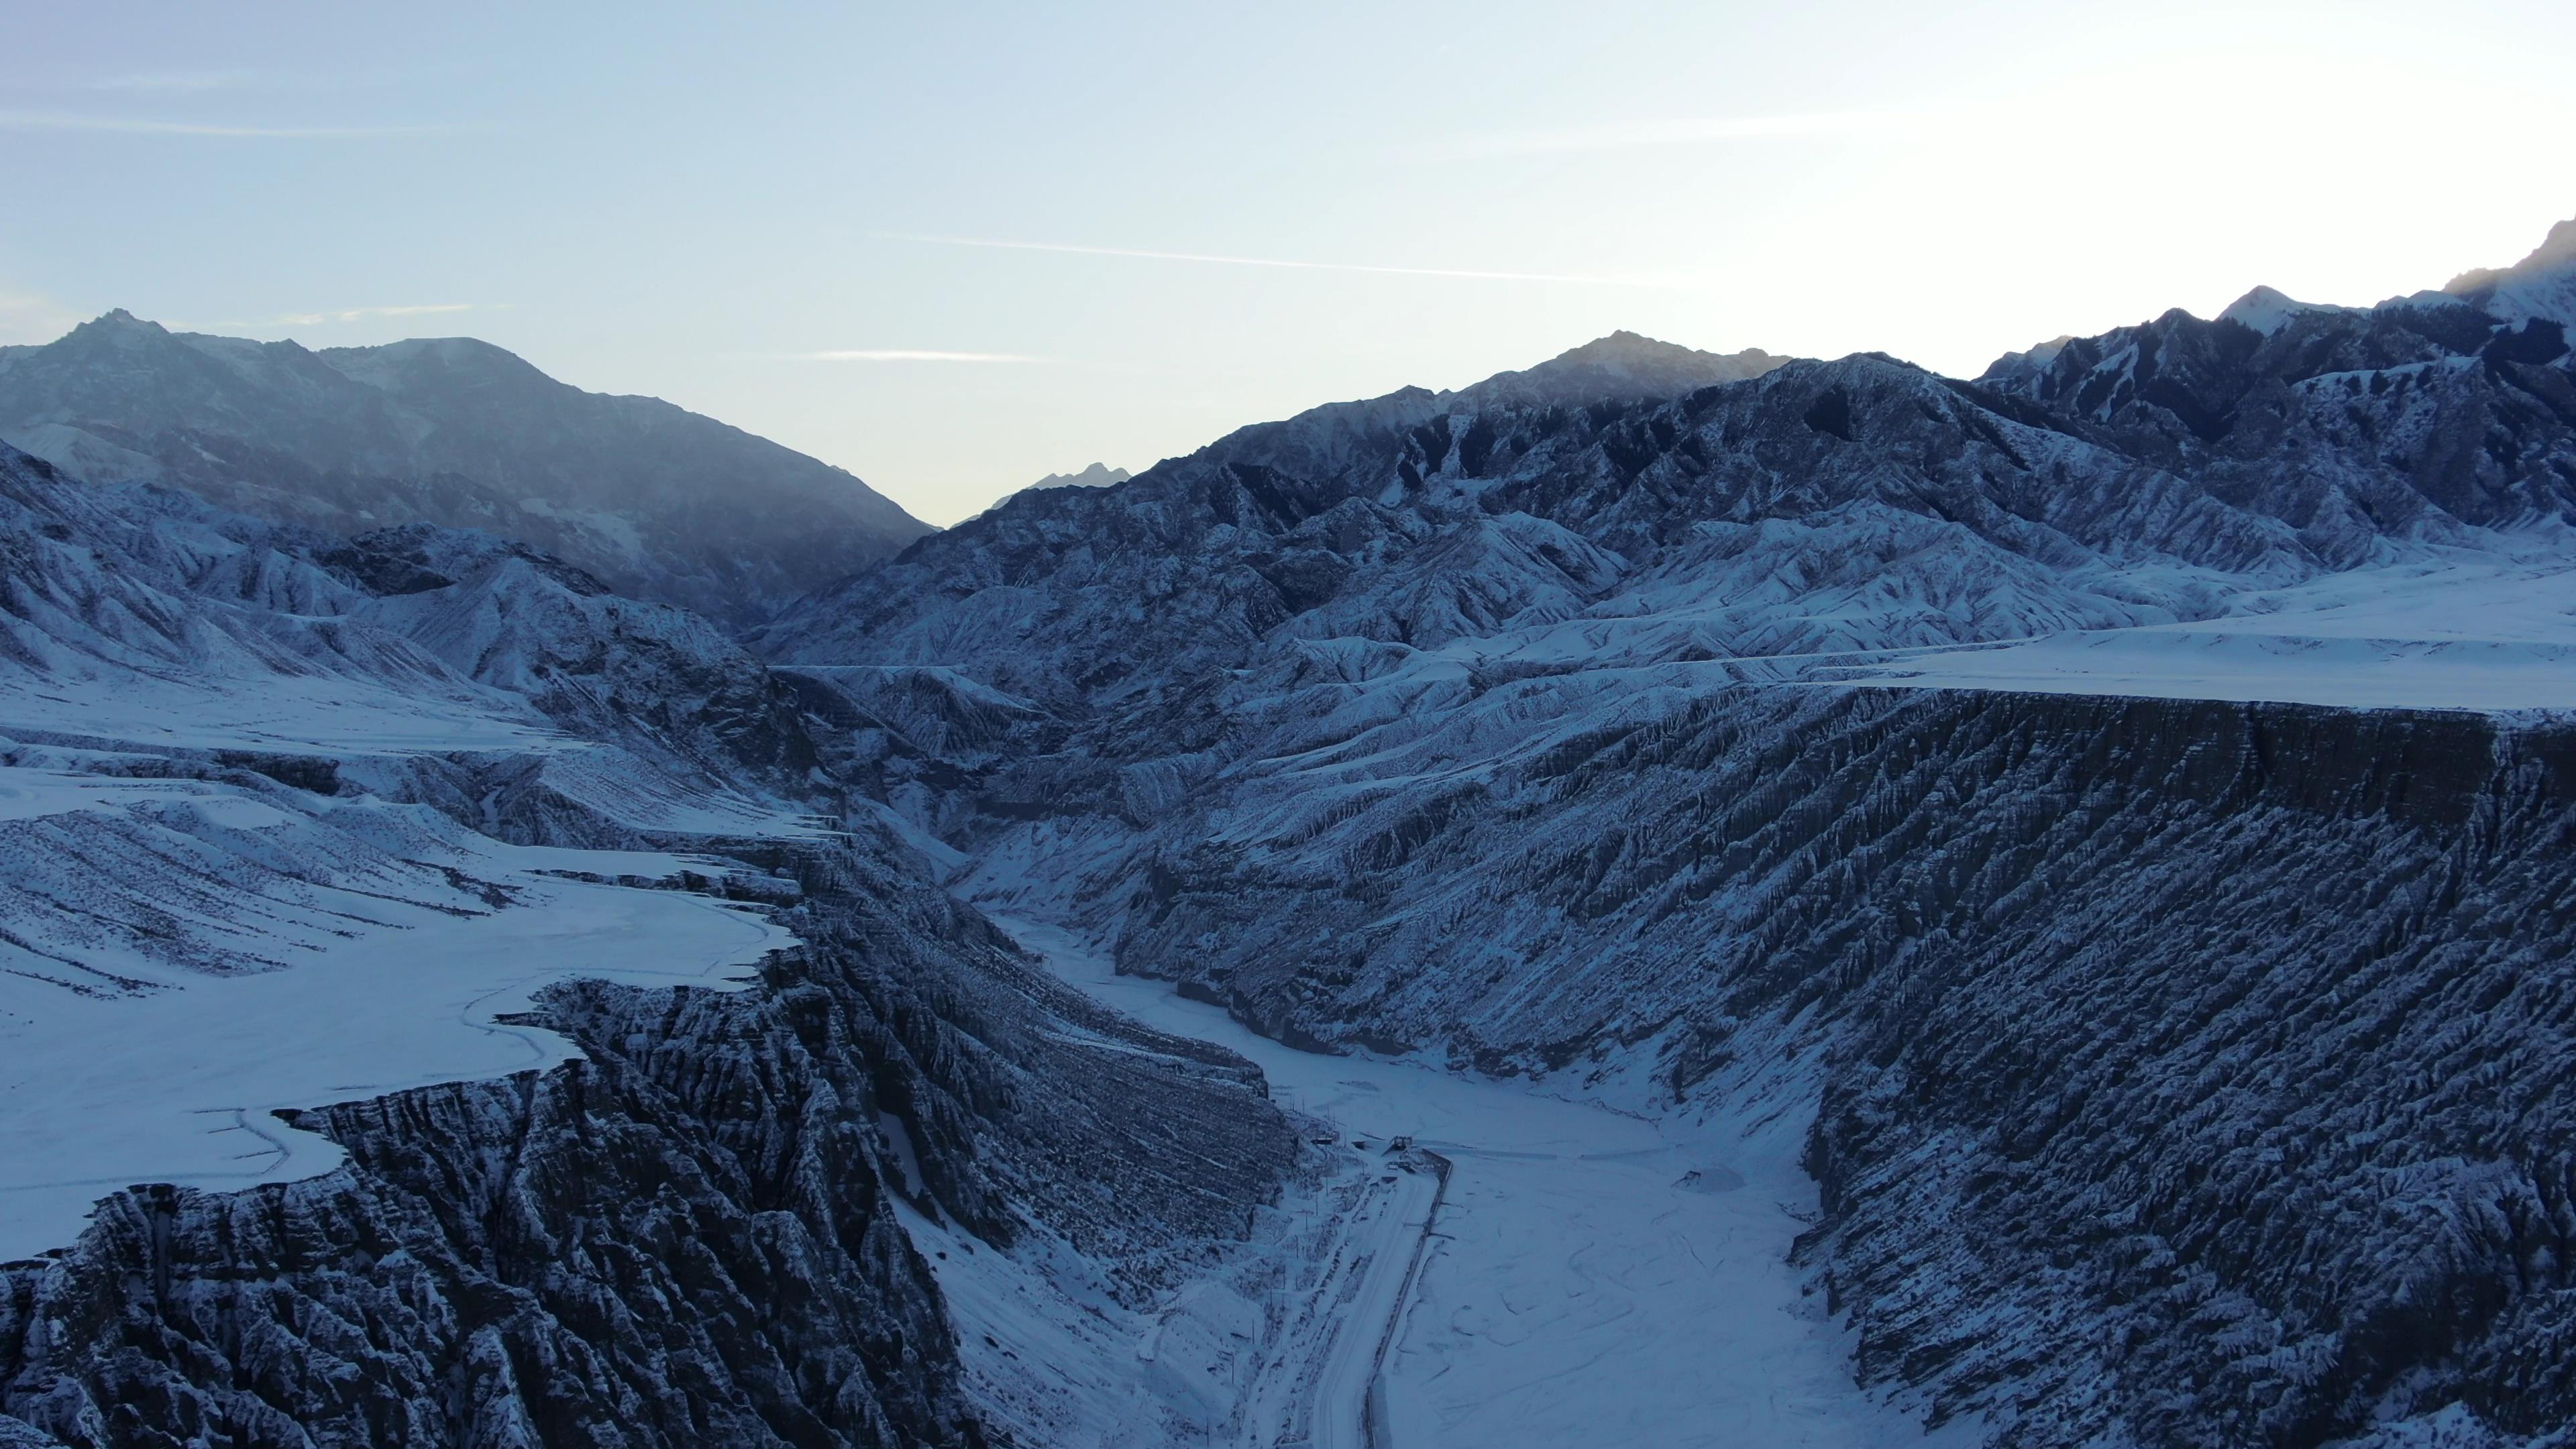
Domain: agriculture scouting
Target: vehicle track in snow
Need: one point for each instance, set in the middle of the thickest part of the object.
(1600, 1277)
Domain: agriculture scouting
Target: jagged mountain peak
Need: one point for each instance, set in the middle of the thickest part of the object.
(2557, 250)
(1626, 346)
(115, 319)
(115, 331)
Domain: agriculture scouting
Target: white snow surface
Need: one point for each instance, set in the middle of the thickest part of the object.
(1594, 1276)
(2457, 631)
(339, 949)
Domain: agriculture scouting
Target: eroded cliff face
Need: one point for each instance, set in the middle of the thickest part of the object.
(2190, 1073)
(688, 1238)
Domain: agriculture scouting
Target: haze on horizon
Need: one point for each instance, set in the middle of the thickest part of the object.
(955, 252)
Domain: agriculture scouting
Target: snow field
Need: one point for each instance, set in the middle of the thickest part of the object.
(389, 945)
(2456, 632)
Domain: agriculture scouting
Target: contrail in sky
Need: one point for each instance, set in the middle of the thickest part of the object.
(1235, 261)
(912, 354)
(131, 126)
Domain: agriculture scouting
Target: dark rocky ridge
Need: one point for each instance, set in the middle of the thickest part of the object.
(688, 1238)
(2463, 422)
(2233, 1026)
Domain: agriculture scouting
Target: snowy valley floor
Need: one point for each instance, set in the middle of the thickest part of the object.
(1593, 1277)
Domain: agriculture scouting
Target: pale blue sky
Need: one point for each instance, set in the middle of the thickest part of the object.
(744, 212)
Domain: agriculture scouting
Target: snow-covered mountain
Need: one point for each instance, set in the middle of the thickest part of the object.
(2124, 797)
(515, 1040)
(663, 503)
(1807, 900)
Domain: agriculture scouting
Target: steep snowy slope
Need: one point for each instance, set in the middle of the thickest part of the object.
(661, 502)
(2127, 796)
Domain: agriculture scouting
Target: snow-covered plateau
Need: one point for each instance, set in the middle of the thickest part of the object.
(2491, 631)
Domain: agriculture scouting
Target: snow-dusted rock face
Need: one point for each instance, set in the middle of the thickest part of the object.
(2354, 427)
(2178, 1063)
(1859, 503)
(598, 665)
(661, 502)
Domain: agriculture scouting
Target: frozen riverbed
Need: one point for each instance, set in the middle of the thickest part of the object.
(1593, 1277)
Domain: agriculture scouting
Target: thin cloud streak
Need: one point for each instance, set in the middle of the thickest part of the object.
(359, 314)
(131, 126)
(912, 354)
(180, 80)
(1683, 131)
(1235, 261)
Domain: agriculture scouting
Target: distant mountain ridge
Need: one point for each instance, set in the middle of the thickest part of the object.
(1098, 475)
(658, 501)
(1621, 367)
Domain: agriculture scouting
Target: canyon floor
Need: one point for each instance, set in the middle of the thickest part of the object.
(1594, 1275)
